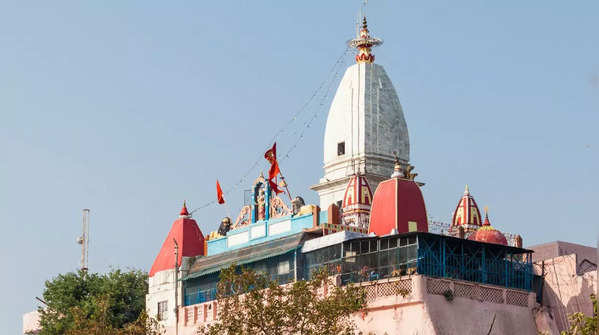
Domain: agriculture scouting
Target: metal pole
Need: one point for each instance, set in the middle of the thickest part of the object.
(286, 188)
(84, 240)
(176, 286)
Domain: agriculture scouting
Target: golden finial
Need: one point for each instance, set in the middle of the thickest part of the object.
(364, 43)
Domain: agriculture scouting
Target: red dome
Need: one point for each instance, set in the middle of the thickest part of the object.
(488, 234)
(466, 213)
(398, 205)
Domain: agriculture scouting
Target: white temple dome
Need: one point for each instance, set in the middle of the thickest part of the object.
(365, 126)
(367, 118)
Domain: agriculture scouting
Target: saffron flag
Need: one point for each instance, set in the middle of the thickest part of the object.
(274, 170)
(271, 154)
(219, 193)
(274, 187)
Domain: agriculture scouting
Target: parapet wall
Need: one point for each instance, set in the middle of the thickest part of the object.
(418, 305)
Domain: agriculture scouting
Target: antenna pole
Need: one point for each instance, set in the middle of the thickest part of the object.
(84, 240)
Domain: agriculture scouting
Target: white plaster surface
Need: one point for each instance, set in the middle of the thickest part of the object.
(279, 227)
(239, 238)
(161, 288)
(31, 323)
(258, 231)
(366, 115)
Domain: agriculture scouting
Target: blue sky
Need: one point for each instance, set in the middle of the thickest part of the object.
(128, 108)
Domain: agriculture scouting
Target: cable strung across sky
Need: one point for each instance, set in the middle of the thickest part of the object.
(323, 90)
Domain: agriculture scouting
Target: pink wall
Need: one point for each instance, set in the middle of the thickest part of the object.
(424, 310)
(565, 292)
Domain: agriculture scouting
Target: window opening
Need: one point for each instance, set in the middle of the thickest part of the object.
(162, 310)
(340, 148)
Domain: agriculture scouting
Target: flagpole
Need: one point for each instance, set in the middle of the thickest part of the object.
(286, 188)
(220, 196)
(228, 211)
(271, 157)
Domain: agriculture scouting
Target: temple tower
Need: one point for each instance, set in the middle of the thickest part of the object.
(365, 125)
(466, 217)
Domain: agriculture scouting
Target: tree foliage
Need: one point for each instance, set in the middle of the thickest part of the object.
(99, 323)
(115, 300)
(581, 324)
(251, 303)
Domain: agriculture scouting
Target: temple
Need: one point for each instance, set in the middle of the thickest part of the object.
(370, 228)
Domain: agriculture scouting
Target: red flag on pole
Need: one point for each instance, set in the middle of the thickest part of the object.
(219, 193)
(274, 187)
(271, 154)
(274, 170)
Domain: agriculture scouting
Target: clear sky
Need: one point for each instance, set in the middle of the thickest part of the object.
(128, 108)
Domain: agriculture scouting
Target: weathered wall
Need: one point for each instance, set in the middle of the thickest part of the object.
(564, 291)
(426, 311)
(162, 288)
(423, 310)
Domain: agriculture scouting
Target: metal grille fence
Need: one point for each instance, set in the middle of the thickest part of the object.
(435, 286)
(466, 290)
(491, 294)
(516, 298)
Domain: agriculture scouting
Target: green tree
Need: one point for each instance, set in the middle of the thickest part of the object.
(581, 324)
(99, 322)
(251, 303)
(116, 298)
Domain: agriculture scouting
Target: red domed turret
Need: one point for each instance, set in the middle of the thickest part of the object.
(356, 202)
(398, 205)
(466, 213)
(184, 211)
(488, 234)
(189, 237)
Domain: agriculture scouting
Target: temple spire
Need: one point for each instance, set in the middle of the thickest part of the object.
(487, 222)
(364, 43)
(184, 212)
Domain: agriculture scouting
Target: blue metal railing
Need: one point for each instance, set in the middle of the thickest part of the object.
(193, 297)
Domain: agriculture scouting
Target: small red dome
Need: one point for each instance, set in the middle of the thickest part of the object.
(488, 234)
(398, 205)
(466, 213)
(184, 211)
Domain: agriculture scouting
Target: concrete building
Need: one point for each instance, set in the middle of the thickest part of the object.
(569, 273)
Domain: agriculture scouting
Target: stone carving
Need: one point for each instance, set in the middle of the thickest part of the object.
(225, 226)
(261, 201)
(243, 218)
(278, 208)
